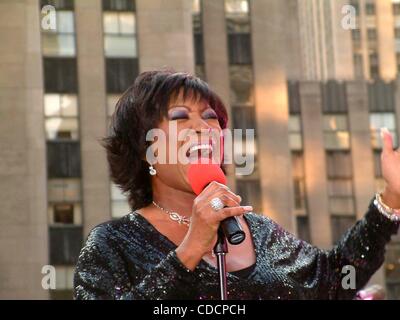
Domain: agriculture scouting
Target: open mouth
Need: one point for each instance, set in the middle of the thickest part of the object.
(197, 151)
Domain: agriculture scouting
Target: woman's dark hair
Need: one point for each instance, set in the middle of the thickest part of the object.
(140, 108)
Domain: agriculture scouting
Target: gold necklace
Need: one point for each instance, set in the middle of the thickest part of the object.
(175, 216)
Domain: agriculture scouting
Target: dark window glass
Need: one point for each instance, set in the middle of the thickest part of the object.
(340, 224)
(333, 97)
(250, 191)
(58, 4)
(381, 96)
(60, 75)
(377, 164)
(339, 164)
(370, 9)
(239, 46)
(244, 118)
(63, 159)
(371, 33)
(396, 8)
(303, 228)
(65, 244)
(64, 213)
(355, 34)
(120, 74)
(294, 97)
(199, 48)
(119, 5)
(392, 266)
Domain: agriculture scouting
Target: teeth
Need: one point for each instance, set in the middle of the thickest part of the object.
(200, 147)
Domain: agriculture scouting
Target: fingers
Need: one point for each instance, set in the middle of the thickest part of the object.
(387, 141)
(233, 211)
(214, 190)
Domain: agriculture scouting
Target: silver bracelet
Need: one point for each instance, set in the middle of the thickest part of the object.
(390, 213)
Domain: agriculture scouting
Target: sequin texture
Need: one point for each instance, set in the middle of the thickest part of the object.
(129, 259)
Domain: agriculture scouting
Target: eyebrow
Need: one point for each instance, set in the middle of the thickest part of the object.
(188, 108)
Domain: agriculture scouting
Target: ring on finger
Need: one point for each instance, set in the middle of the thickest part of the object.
(216, 204)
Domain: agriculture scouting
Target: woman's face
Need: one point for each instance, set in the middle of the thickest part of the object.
(192, 131)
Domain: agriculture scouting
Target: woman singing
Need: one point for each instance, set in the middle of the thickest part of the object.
(163, 248)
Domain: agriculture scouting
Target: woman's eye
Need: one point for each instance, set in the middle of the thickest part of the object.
(176, 115)
(210, 114)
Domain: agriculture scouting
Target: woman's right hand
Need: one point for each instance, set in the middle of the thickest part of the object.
(202, 234)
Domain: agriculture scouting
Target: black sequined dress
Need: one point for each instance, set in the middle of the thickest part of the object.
(129, 259)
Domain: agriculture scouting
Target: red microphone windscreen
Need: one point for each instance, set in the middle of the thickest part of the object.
(201, 174)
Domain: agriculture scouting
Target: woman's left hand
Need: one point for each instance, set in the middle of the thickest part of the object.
(390, 163)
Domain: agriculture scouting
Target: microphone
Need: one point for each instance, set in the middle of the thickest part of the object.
(375, 292)
(202, 174)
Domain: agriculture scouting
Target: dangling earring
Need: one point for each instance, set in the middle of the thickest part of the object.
(152, 171)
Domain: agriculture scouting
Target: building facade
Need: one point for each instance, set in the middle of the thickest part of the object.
(315, 93)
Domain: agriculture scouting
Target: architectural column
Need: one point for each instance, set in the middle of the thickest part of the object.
(165, 35)
(23, 227)
(386, 46)
(361, 154)
(92, 112)
(272, 111)
(315, 164)
(216, 54)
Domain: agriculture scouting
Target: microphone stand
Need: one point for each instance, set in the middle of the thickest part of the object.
(220, 250)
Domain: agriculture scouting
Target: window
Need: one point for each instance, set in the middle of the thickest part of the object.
(381, 96)
(239, 48)
(64, 190)
(66, 213)
(340, 187)
(298, 181)
(65, 276)
(198, 48)
(336, 134)
(303, 228)
(355, 34)
(237, 7)
(377, 164)
(250, 191)
(119, 5)
(392, 266)
(58, 4)
(60, 42)
(370, 9)
(61, 116)
(295, 135)
(120, 74)
(63, 159)
(60, 75)
(112, 100)
(119, 202)
(241, 84)
(244, 118)
(358, 66)
(333, 97)
(382, 120)
(65, 244)
(340, 225)
(339, 164)
(371, 33)
(294, 97)
(196, 7)
(374, 64)
(119, 34)
(356, 6)
(200, 71)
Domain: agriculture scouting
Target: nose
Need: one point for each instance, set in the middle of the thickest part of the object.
(200, 125)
